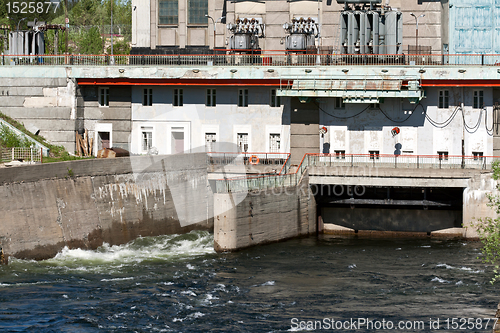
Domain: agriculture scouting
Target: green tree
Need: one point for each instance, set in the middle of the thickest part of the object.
(91, 42)
(488, 230)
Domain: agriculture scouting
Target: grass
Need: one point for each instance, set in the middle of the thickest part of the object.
(9, 139)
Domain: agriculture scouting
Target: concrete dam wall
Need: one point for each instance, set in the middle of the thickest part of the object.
(82, 204)
(263, 216)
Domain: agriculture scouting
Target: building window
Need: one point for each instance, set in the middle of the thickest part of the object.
(197, 11)
(443, 102)
(211, 97)
(169, 11)
(243, 97)
(210, 139)
(478, 99)
(147, 138)
(275, 100)
(103, 96)
(242, 141)
(443, 155)
(374, 154)
(274, 143)
(340, 154)
(339, 103)
(178, 97)
(478, 155)
(147, 99)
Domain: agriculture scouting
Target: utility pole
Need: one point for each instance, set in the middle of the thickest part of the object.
(67, 22)
(112, 30)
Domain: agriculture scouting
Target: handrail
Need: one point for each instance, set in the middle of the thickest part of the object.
(354, 160)
(224, 57)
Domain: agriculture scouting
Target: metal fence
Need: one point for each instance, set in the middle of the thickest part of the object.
(278, 159)
(33, 155)
(253, 183)
(402, 161)
(243, 184)
(265, 58)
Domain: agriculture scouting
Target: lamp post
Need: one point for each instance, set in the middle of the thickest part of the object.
(213, 23)
(416, 29)
(19, 23)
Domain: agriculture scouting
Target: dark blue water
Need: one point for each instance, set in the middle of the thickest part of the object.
(178, 284)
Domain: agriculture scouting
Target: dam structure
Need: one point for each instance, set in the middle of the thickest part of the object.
(342, 117)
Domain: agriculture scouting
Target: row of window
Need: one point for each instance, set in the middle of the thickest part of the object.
(210, 140)
(274, 100)
(211, 97)
(444, 99)
(169, 11)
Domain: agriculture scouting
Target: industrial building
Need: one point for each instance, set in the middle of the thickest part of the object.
(281, 71)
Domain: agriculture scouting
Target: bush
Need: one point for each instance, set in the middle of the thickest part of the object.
(488, 230)
(9, 139)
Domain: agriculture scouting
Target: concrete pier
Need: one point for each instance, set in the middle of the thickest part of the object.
(263, 216)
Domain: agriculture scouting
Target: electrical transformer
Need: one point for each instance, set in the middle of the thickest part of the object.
(302, 33)
(245, 34)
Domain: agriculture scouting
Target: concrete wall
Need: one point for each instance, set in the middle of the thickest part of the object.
(44, 103)
(304, 130)
(476, 202)
(85, 203)
(263, 217)
(115, 118)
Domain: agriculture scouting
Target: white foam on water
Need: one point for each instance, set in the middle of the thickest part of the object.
(188, 292)
(117, 279)
(269, 283)
(437, 279)
(190, 316)
(352, 266)
(168, 248)
(463, 268)
(445, 266)
(4, 285)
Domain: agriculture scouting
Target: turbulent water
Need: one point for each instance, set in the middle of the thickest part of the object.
(179, 284)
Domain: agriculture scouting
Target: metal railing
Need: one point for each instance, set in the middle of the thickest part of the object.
(264, 58)
(253, 183)
(403, 161)
(216, 158)
(33, 155)
(243, 184)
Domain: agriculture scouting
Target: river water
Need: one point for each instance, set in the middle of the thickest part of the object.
(179, 284)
